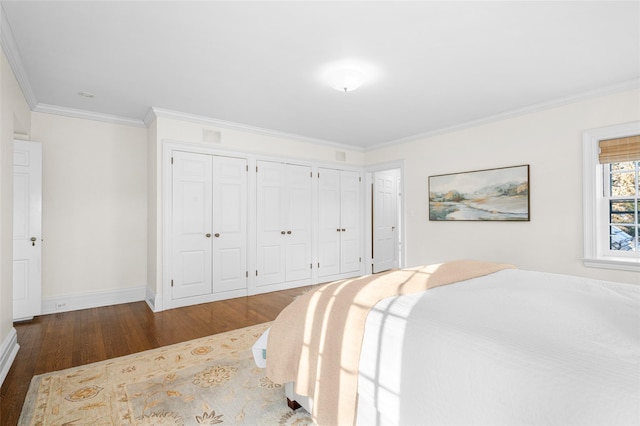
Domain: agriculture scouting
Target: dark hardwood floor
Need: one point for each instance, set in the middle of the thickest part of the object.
(58, 341)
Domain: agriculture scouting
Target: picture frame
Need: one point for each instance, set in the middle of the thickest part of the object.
(499, 194)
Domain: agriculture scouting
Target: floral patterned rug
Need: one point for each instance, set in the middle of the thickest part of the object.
(207, 381)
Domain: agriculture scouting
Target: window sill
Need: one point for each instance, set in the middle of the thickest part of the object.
(619, 263)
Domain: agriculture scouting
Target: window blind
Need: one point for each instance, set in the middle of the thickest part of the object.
(620, 149)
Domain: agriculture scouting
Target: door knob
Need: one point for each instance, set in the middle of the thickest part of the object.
(33, 241)
(216, 235)
(208, 235)
(338, 229)
(343, 230)
(288, 232)
(282, 232)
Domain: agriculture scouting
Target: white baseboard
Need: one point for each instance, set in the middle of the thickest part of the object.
(150, 298)
(8, 351)
(94, 299)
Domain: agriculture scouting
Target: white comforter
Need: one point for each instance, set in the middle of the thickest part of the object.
(514, 347)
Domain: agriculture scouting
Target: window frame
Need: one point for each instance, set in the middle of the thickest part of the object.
(595, 210)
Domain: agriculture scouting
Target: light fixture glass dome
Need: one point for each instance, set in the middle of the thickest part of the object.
(345, 79)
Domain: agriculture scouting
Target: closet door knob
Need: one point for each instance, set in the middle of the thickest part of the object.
(288, 232)
(343, 230)
(282, 232)
(208, 235)
(216, 235)
(338, 229)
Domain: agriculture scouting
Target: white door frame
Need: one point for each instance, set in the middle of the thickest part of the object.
(162, 300)
(398, 164)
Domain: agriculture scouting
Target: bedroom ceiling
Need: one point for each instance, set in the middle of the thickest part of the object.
(434, 65)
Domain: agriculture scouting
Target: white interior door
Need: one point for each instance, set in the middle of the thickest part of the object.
(385, 220)
(298, 219)
(350, 254)
(191, 224)
(27, 229)
(229, 224)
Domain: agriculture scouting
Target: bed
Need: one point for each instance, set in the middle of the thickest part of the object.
(505, 346)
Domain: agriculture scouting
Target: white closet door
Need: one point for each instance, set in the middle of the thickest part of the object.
(329, 222)
(350, 253)
(385, 201)
(339, 222)
(27, 229)
(298, 214)
(191, 224)
(229, 224)
(271, 223)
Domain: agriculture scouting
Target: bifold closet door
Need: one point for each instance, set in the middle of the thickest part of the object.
(209, 224)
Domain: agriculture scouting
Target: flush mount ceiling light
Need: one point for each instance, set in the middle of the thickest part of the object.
(348, 74)
(86, 94)
(345, 79)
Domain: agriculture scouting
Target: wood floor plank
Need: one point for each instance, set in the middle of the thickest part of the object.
(69, 339)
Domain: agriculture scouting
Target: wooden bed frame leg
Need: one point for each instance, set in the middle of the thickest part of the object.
(293, 404)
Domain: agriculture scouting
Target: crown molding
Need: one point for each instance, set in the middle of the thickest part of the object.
(12, 53)
(165, 113)
(88, 115)
(603, 91)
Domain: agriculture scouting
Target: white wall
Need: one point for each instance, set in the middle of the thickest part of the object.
(94, 207)
(550, 142)
(14, 117)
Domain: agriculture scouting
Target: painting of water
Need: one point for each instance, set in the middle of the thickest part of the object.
(488, 195)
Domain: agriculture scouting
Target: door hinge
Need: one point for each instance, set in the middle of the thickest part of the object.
(360, 260)
(247, 167)
(311, 175)
(171, 160)
(311, 266)
(247, 274)
(318, 175)
(256, 272)
(256, 169)
(318, 265)
(171, 283)
(359, 178)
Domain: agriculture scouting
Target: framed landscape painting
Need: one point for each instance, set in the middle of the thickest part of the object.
(491, 195)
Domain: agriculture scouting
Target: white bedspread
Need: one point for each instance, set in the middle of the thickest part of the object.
(515, 347)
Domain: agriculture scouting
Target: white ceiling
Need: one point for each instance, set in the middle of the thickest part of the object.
(434, 65)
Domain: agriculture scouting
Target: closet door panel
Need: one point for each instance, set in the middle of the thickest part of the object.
(350, 253)
(191, 222)
(329, 222)
(298, 214)
(271, 223)
(229, 224)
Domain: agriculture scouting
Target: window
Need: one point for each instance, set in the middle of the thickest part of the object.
(621, 195)
(612, 197)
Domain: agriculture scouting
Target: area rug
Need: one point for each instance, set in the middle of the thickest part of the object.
(207, 381)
